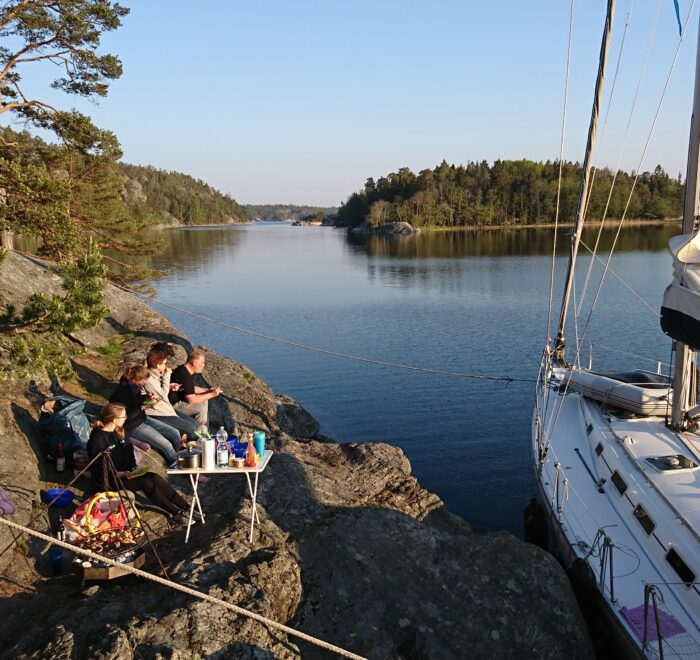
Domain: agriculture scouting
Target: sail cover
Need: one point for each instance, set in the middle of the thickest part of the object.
(680, 309)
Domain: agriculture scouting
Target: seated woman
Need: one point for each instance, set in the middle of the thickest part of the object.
(157, 388)
(108, 434)
(165, 438)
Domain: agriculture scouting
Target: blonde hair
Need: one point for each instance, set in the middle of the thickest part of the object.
(108, 414)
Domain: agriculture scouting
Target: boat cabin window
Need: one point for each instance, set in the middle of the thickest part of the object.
(619, 482)
(683, 570)
(644, 520)
(599, 449)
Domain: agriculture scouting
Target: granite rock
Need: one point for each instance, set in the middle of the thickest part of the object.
(349, 547)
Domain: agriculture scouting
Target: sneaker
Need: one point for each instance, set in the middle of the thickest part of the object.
(181, 519)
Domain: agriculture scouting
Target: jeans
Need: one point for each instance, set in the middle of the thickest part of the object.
(200, 411)
(160, 436)
(183, 423)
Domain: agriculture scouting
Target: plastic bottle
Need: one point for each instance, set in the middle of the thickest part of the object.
(202, 432)
(60, 457)
(61, 529)
(221, 448)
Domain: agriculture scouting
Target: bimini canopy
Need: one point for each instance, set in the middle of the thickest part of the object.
(680, 309)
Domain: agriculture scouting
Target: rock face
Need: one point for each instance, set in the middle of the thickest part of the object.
(389, 229)
(349, 548)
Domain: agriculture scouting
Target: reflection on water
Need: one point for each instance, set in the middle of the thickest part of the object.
(187, 247)
(469, 302)
(501, 242)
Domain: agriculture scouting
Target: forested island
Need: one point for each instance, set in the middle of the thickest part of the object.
(509, 192)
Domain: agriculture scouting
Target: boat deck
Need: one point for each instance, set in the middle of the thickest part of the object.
(591, 503)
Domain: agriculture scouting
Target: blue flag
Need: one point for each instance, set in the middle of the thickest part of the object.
(678, 16)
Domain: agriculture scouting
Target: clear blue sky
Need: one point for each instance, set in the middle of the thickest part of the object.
(301, 101)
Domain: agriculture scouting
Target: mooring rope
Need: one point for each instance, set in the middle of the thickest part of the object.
(324, 351)
(188, 590)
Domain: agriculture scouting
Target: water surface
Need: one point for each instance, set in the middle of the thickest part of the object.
(468, 302)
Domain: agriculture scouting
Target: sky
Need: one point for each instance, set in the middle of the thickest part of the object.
(300, 101)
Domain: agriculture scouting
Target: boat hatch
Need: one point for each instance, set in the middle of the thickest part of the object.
(619, 482)
(682, 569)
(644, 520)
(671, 463)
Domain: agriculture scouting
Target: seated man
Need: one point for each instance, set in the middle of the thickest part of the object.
(187, 397)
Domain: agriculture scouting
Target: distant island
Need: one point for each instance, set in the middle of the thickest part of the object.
(507, 193)
(281, 212)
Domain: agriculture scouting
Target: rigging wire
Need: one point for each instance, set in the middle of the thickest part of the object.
(638, 169)
(561, 166)
(553, 422)
(562, 135)
(324, 351)
(634, 355)
(624, 139)
(622, 281)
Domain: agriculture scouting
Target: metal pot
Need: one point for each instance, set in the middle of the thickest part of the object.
(189, 458)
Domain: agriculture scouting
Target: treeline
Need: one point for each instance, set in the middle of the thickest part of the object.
(286, 211)
(517, 192)
(146, 195)
(175, 198)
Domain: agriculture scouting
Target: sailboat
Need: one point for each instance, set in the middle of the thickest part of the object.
(617, 454)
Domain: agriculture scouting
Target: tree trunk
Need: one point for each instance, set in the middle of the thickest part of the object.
(6, 237)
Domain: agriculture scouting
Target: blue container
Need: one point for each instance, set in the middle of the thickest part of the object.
(56, 560)
(259, 440)
(239, 449)
(63, 497)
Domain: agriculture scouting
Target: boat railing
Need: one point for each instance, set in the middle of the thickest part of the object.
(561, 494)
(650, 595)
(604, 546)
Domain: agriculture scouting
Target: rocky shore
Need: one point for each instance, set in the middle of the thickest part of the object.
(350, 548)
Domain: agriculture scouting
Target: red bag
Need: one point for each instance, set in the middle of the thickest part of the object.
(102, 512)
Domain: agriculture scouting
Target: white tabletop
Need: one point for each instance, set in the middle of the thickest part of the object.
(225, 470)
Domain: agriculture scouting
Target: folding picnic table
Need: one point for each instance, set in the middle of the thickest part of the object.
(194, 473)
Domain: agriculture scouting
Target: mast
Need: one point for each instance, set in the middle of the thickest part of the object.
(560, 343)
(684, 382)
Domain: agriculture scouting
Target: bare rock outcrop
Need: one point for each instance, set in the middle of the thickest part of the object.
(349, 548)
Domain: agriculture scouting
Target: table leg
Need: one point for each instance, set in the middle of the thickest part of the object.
(195, 482)
(253, 496)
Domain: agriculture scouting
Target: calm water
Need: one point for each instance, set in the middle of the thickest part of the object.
(468, 302)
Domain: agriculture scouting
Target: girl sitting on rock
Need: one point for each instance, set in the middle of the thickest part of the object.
(108, 434)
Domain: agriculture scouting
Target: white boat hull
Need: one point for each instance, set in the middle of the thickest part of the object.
(590, 449)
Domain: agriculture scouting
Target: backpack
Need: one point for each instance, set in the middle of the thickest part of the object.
(69, 425)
